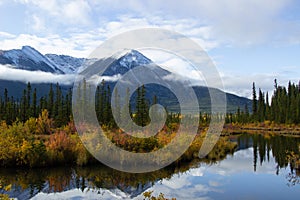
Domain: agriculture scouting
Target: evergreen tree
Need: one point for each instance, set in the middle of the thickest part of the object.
(238, 115)
(155, 112)
(142, 108)
(107, 109)
(28, 101)
(268, 114)
(246, 113)
(34, 103)
(101, 100)
(117, 107)
(23, 113)
(254, 102)
(58, 107)
(5, 104)
(261, 106)
(50, 102)
(125, 122)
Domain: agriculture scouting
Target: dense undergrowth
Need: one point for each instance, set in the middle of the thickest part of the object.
(36, 143)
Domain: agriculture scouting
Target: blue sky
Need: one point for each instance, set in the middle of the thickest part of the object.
(248, 40)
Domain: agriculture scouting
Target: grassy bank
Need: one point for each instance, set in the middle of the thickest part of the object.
(263, 127)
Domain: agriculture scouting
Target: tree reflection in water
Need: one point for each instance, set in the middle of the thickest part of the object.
(284, 149)
(28, 183)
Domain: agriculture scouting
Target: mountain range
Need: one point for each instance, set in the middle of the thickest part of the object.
(29, 59)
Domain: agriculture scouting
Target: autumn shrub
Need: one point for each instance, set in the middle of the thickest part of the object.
(44, 123)
(33, 153)
(82, 155)
(193, 150)
(31, 125)
(19, 148)
(3, 126)
(70, 128)
(11, 141)
(60, 148)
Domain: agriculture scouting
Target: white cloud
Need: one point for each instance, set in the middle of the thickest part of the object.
(197, 171)
(62, 12)
(235, 21)
(74, 45)
(38, 23)
(179, 183)
(241, 84)
(96, 79)
(189, 27)
(241, 163)
(9, 73)
(6, 35)
(77, 12)
(82, 43)
(231, 22)
(183, 186)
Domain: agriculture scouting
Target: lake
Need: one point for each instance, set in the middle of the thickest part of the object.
(258, 169)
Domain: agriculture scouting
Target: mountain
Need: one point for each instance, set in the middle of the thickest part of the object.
(126, 62)
(67, 64)
(27, 58)
(121, 64)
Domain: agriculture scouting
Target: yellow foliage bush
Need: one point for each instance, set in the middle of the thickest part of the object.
(31, 125)
(11, 140)
(44, 123)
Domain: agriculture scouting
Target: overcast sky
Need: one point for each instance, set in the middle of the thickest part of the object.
(248, 40)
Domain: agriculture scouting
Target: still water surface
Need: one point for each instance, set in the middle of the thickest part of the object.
(257, 170)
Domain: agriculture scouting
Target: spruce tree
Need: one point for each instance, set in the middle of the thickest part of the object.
(254, 103)
(23, 106)
(267, 115)
(34, 103)
(261, 106)
(144, 107)
(28, 101)
(117, 107)
(50, 102)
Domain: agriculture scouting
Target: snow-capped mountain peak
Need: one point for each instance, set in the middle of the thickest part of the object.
(39, 58)
(28, 58)
(133, 58)
(67, 64)
(125, 61)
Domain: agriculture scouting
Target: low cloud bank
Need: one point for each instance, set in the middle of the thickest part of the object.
(9, 73)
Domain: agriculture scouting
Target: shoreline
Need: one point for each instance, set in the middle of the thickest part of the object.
(262, 128)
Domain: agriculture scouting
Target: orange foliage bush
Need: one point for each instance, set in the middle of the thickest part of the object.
(60, 147)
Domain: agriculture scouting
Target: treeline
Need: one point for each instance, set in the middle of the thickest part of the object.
(283, 109)
(59, 105)
(103, 106)
(28, 106)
